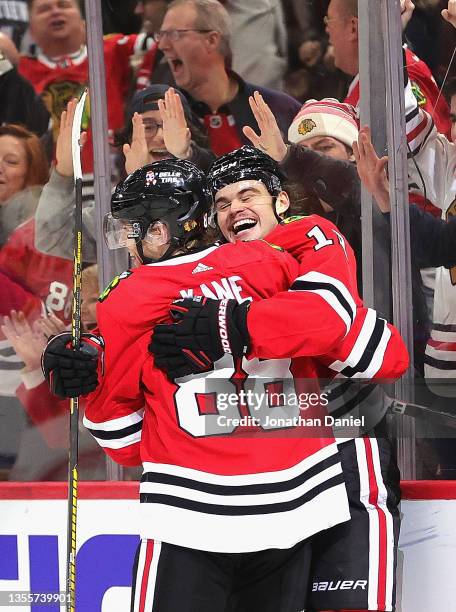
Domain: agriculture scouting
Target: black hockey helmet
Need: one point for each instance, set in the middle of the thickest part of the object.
(243, 164)
(172, 191)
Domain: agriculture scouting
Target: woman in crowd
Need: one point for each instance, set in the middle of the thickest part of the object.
(43, 451)
(23, 172)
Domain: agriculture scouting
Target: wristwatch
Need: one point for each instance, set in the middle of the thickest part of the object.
(5, 64)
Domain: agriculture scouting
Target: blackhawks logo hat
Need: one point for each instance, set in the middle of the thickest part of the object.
(327, 117)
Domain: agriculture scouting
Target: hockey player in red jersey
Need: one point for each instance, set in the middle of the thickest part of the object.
(249, 203)
(227, 504)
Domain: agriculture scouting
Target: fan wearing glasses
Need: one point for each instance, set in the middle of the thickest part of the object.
(170, 130)
(195, 40)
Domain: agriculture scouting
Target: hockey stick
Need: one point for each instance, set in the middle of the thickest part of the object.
(423, 412)
(76, 339)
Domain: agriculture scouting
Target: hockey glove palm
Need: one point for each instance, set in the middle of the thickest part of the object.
(70, 372)
(203, 332)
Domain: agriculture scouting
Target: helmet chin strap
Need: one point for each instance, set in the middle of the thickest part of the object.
(274, 207)
(166, 255)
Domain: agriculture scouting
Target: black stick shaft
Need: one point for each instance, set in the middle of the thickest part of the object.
(74, 411)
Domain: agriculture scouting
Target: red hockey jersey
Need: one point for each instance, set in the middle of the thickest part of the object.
(367, 349)
(339, 330)
(57, 81)
(49, 278)
(216, 474)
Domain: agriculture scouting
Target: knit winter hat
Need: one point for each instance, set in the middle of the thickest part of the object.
(327, 117)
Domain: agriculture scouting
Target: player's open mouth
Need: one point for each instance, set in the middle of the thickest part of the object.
(243, 225)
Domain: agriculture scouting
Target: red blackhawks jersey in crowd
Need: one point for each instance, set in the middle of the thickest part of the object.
(45, 276)
(424, 87)
(212, 480)
(60, 79)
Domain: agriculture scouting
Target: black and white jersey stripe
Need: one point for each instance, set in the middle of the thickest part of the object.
(332, 291)
(366, 357)
(242, 512)
(350, 400)
(117, 433)
(419, 124)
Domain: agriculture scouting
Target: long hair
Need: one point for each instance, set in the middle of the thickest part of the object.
(38, 167)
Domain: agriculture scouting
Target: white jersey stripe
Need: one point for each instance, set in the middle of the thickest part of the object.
(139, 575)
(244, 533)
(441, 353)
(120, 442)
(372, 594)
(330, 298)
(115, 424)
(389, 539)
(244, 479)
(377, 358)
(360, 344)
(318, 277)
(241, 500)
(184, 259)
(152, 578)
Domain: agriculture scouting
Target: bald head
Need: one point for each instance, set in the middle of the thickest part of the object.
(350, 7)
(342, 29)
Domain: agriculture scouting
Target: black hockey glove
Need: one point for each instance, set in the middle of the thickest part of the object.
(204, 330)
(70, 372)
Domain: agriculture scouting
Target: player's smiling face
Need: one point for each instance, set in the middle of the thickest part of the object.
(245, 211)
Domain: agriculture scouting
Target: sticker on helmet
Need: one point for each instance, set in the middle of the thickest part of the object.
(150, 178)
(190, 225)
